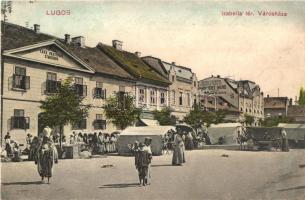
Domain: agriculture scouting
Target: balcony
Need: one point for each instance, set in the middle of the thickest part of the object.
(52, 86)
(21, 82)
(99, 93)
(20, 122)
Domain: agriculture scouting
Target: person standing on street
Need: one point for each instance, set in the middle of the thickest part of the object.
(147, 148)
(178, 155)
(46, 155)
(142, 159)
(285, 145)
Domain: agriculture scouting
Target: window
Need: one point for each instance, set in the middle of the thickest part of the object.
(152, 97)
(52, 84)
(18, 113)
(99, 123)
(82, 124)
(173, 78)
(121, 100)
(195, 99)
(188, 100)
(18, 121)
(20, 80)
(162, 98)
(99, 92)
(78, 81)
(141, 95)
(195, 84)
(80, 89)
(173, 97)
(180, 99)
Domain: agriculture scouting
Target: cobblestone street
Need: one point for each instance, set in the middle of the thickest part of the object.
(206, 175)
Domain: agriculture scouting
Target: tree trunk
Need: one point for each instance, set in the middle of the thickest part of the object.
(60, 139)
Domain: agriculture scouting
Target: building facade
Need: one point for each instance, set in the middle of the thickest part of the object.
(152, 89)
(33, 64)
(276, 106)
(244, 96)
(183, 91)
(296, 113)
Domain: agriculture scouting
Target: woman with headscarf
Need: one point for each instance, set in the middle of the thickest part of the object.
(178, 155)
(46, 155)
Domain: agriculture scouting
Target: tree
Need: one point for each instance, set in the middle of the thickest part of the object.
(249, 120)
(121, 111)
(64, 107)
(164, 116)
(274, 121)
(219, 116)
(302, 97)
(195, 117)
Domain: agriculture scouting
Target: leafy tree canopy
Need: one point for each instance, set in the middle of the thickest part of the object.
(302, 97)
(249, 120)
(197, 117)
(274, 121)
(121, 111)
(164, 116)
(64, 107)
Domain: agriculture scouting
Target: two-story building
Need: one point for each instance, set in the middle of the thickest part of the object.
(276, 106)
(151, 90)
(34, 63)
(244, 95)
(184, 88)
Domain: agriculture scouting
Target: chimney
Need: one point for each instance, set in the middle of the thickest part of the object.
(36, 28)
(290, 102)
(138, 54)
(267, 95)
(67, 38)
(218, 76)
(173, 63)
(80, 40)
(117, 44)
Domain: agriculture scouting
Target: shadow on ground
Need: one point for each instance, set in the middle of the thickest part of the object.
(164, 165)
(302, 166)
(293, 188)
(120, 185)
(23, 183)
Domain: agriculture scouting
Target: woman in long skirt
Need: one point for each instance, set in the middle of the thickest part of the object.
(46, 155)
(178, 155)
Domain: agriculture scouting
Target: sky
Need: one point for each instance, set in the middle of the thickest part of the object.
(269, 50)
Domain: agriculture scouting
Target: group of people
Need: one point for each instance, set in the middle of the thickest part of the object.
(12, 149)
(97, 143)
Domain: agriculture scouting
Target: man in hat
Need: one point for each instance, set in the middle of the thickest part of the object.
(46, 155)
(142, 163)
(147, 148)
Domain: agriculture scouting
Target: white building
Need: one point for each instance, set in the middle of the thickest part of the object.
(184, 88)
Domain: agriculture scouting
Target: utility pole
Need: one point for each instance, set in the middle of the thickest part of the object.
(278, 92)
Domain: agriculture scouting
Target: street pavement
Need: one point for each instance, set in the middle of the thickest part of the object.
(208, 174)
